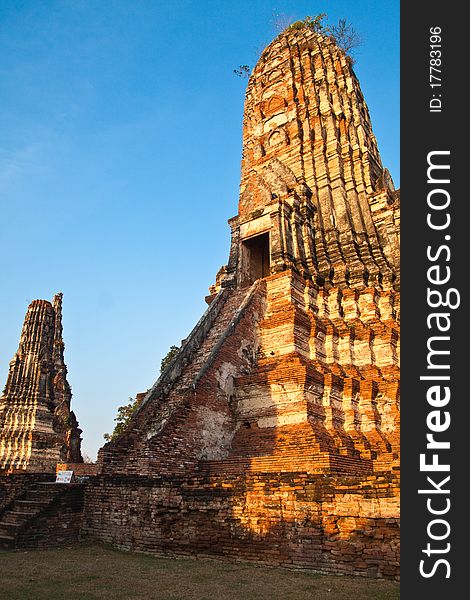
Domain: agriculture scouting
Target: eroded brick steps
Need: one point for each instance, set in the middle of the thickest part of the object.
(40, 516)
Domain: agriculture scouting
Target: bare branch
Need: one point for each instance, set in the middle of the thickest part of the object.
(346, 37)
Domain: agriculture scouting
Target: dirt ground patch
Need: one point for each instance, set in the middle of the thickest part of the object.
(89, 572)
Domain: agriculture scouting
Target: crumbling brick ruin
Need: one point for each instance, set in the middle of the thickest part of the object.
(37, 427)
(273, 435)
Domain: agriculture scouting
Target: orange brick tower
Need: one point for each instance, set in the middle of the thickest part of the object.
(318, 220)
(296, 358)
(275, 429)
(312, 177)
(37, 428)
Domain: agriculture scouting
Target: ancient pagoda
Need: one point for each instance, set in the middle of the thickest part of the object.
(37, 427)
(274, 432)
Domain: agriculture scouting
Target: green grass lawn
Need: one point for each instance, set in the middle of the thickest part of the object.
(88, 572)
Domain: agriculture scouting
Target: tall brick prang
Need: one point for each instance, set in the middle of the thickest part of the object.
(274, 433)
(37, 427)
(311, 172)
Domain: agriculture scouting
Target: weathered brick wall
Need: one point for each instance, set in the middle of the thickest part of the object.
(59, 524)
(193, 419)
(79, 469)
(13, 485)
(333, 524)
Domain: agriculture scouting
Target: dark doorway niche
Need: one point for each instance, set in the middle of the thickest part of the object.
(256, 252)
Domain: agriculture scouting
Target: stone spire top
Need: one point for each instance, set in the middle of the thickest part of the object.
(312, 177)
(37, 427)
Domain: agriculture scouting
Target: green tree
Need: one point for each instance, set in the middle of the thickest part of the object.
(313, 23)
(166, 360)
(124, 413)
(343, 33)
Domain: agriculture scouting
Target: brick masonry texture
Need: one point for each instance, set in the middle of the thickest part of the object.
(293, 519)
(273, 435)
(37, 427)
(35, 512)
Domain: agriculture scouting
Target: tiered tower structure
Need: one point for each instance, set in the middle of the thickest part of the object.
(317, 236)
(319, 219)
(37, 427)
(311, 176)
(275, 429)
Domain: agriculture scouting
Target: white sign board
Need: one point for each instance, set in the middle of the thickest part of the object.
(64, 476)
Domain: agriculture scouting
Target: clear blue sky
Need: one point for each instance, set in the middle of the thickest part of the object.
(119, 167)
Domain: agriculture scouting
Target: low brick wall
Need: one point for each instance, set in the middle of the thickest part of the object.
(346, 525)
(80, 469)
